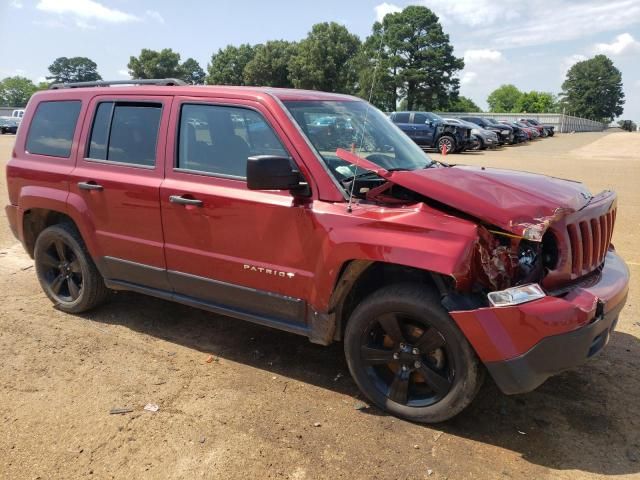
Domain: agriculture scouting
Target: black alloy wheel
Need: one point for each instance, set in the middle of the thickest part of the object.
(66, 271)
(61, 271)
(408, 356)
(406, 360)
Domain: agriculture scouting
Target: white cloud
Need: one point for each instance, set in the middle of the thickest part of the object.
(86, 10)
(385, 8)
(82, 25)
(16, 3)
(622, 44)
(124, 73)
(468, 77)
(482, 55)
(472, 12)
(154, 15)
(567, 21)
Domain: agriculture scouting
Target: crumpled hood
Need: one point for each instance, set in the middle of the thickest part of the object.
(509, 199)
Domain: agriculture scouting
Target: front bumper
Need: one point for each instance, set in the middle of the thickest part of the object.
(523, 345)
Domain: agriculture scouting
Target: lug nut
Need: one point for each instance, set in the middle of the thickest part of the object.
(415, 351)
(402, 345)
(404, 368)
(417, 364)
(396, 356)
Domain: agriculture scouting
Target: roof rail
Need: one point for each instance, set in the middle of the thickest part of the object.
(107, 83)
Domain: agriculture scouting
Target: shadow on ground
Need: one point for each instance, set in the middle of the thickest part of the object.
(585, 419)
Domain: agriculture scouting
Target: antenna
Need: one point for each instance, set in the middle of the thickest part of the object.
(364, 124)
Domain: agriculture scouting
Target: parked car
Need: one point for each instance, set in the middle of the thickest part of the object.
(19, 113)
(429, 273)
(431, 131)
(8, 125)
(548, 129)
(520, 134)
(535, 133)
(484, 138)
(504, 132)
(541, 131)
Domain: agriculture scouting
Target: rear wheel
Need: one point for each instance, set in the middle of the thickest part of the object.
(408, 357)
(65, 270)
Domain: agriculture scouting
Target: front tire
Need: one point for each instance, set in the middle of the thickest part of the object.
(408, 357)
(447, 141)
(66, 271)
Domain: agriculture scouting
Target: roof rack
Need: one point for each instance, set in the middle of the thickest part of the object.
(107, 83)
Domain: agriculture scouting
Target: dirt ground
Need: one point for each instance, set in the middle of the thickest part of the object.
(250, 413)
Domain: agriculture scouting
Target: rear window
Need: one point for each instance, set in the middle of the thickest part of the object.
(52, 128)
(401, 118)
(125, 132)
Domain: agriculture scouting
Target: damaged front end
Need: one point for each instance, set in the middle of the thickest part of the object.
(523, 220)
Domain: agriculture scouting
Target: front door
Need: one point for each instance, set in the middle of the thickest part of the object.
(117, 183)
(247, 253)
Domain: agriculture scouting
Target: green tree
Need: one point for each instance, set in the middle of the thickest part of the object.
(462, 104)
(377, 73)
(536, 102)
(192, 72)
(593, 89)
(418, 57)
(270, 64)
(16, 91)
(153, 64)
(325, 59)
(504, 99)
(628, 125)
(74, 69)
(228, 64)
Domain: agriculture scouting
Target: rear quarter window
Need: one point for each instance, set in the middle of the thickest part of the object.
(52, 128)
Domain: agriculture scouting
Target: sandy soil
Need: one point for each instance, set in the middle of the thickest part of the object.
(250, 413)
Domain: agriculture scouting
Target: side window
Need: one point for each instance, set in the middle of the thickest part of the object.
(401, 118)
(125, 132)
(217, 139)
(51, 130)
(420, 118)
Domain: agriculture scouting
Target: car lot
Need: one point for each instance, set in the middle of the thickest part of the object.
(252, 410)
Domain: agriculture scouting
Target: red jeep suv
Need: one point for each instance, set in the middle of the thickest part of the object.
(313, 213)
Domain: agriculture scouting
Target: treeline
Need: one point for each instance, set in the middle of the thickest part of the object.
(406, 62)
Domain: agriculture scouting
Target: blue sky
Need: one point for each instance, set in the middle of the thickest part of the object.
(529, 44)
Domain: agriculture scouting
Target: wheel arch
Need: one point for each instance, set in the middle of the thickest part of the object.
(360, 278)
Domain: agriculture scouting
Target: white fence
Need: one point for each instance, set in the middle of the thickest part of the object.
(562, 123)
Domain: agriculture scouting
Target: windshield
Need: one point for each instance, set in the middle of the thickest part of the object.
(359, 127)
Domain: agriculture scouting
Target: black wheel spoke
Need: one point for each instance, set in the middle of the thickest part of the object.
(399, 388)
(56, 285)
(75, 266)
(60, 250)
(391, 325)
(74, 289)
(435, 380)
(376, 356)
(48, 260)
(429, 341)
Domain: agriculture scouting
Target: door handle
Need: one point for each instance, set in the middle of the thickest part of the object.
(89, 186)
(181, 200)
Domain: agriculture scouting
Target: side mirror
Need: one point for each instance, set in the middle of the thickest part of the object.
(271, 172)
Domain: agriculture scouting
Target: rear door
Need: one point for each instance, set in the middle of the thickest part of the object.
(403, 121)
(245, 253)
(423, 130)
(117, 182)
